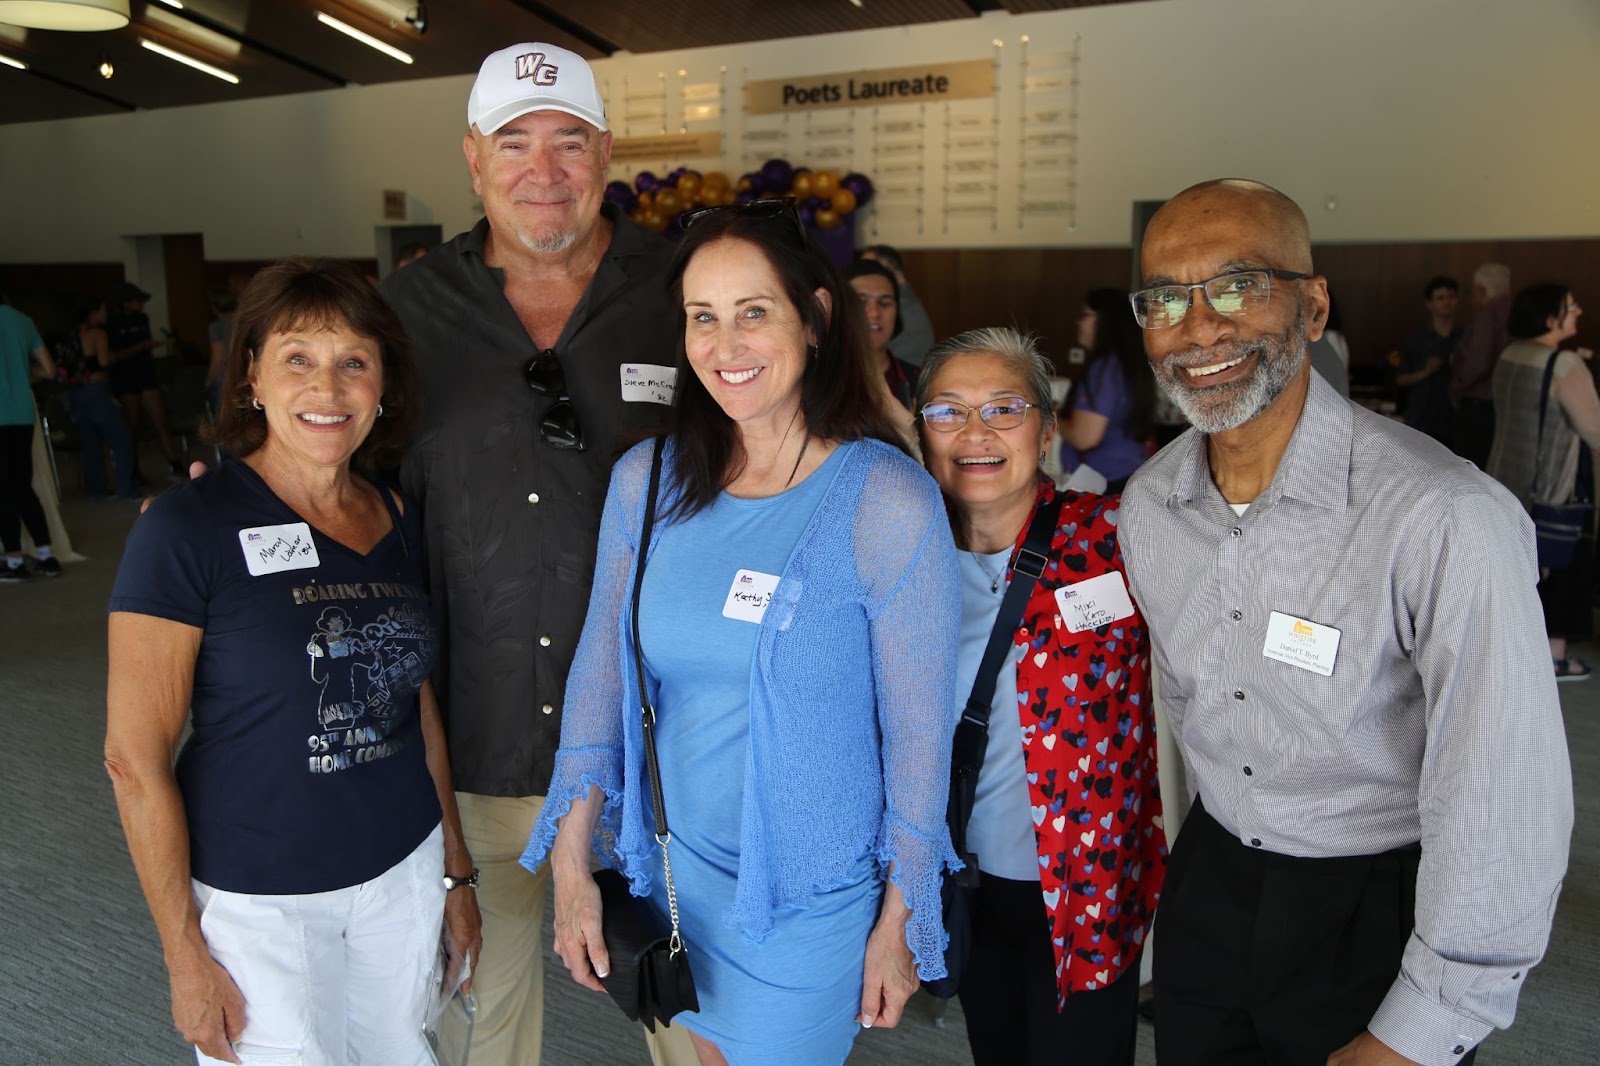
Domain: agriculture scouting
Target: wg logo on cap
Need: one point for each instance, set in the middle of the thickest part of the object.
(532, 65)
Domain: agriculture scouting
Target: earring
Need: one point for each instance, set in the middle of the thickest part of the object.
(255, 403)
(812, 351)
(380, 410)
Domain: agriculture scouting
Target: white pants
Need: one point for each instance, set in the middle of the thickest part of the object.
(335, 977)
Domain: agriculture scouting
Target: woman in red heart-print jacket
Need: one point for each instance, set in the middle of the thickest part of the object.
(1066, 826)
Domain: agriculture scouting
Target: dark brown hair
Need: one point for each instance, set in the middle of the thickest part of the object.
(1117, 336)
(837, 397)
(299, 294)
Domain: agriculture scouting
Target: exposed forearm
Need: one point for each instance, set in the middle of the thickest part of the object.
(574, 839)
(157, 830)
(457, 859)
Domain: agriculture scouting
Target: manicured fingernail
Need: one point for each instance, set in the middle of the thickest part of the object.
(604, 973)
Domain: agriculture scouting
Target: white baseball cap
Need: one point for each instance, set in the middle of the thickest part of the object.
(534, 77)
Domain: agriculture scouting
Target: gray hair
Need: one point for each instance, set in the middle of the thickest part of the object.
(1494, 277)
(1018, 350)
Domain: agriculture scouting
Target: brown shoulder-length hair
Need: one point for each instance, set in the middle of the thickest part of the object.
(310, 294)
(837, 397)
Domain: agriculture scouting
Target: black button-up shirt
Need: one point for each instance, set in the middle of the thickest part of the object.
(512, 523)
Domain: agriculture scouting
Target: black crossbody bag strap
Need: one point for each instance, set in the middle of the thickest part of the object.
(972, 732)
(652, 764)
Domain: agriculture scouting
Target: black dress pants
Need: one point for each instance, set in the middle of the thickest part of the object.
(1008, 992)
(1269, 959)
(18, 503)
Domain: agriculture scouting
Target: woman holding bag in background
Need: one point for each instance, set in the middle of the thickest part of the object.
(1066, 827)
(1547, 422)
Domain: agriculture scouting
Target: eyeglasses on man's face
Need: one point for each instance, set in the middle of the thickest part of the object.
(1228, 294)
(559, 425)
(947, 416)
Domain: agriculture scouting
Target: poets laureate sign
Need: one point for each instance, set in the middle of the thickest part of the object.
(927, 84)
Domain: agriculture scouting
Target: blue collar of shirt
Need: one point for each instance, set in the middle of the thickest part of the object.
(1315, 468)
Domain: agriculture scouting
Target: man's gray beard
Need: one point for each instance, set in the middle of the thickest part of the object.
(548, 243)
(1280, 360)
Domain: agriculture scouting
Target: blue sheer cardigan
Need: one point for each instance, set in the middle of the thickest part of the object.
(852, 697)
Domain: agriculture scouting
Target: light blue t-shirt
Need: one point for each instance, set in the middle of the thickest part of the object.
(1001, 829)
(18, 339)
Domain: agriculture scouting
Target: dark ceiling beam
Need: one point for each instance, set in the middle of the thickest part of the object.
(258, 46)
(569, 27)
(980, 6)
(104, 98)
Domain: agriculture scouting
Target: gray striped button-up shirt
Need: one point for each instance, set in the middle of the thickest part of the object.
(1439, 724)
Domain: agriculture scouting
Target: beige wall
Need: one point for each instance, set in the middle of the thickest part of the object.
(1421, 119)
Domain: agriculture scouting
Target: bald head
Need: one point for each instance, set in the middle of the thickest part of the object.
(1230, 211)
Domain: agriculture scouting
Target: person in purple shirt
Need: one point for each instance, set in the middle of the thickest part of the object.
(1109, 417)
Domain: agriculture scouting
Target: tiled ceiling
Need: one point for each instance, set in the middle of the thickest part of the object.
(278, 46)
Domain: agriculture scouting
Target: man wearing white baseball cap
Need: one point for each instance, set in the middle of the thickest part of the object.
(533, 333)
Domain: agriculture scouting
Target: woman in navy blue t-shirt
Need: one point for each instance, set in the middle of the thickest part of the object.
(298, 857)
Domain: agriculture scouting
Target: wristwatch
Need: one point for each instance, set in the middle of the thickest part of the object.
(452, 883)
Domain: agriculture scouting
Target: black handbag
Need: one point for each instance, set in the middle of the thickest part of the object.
(972, 741)
(1559, 526)
(650, 977)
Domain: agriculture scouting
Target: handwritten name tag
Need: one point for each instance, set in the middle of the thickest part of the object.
(274, 549)
(749, 595)
(647, 383)
(1096, 602)
(1301, 643)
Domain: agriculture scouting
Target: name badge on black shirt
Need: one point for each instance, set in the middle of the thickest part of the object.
(274, 549)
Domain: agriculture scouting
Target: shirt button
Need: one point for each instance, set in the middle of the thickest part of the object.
(1235, 532)
(1459, 1049)
(548, 709)
(1255, 842)
(533, 497)
(1235, 615)
(1238, 696)
(1517, 976)
(1248, 772)
(544, 642)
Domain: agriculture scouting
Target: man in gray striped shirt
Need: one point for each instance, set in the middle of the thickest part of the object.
(1352, 656)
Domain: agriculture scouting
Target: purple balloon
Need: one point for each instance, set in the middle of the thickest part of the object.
(859, 184)
(645, 181)
(807, 213)
(742, 198)
(754, 178)
(621, 194)
(776, 175)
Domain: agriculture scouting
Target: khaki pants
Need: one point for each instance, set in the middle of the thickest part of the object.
(509, 981)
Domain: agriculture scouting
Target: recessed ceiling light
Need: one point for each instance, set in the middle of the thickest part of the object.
(106, 69)
(8, 61)
(189, 61)
(88, 15)
(365, 38)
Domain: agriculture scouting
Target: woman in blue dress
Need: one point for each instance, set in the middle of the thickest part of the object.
(798, 622)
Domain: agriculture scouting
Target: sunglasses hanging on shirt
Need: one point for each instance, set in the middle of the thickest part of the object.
(559, 424)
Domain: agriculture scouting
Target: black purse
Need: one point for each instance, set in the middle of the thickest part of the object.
(650, 977)
(958, 892)
(1559, 526)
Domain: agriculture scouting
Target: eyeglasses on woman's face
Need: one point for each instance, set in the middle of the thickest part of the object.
(947, 416)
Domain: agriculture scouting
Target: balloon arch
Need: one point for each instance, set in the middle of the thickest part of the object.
(824, 198)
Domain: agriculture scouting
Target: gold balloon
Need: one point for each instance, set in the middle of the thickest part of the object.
(668, 202)
(826, 218)
(823, 182)
(655, 221)
(689, 183)
(745, 185)
(716, 179)
(647, 200)
(803, 185)
(843, 200)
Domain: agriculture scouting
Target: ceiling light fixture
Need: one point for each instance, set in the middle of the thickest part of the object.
(8, 61)
(365, 38)
(106, 69)
(190, 33)
(173, 3)
(179, 57)
(87, 15)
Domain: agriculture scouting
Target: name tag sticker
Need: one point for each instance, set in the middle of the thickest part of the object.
(648, 383)
(1301, 643)
(749, 595)
(274, 549)
(1096, 602)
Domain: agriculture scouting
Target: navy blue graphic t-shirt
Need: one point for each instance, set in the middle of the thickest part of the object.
(305, 771)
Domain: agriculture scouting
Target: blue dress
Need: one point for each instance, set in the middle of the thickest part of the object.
(794, 997)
